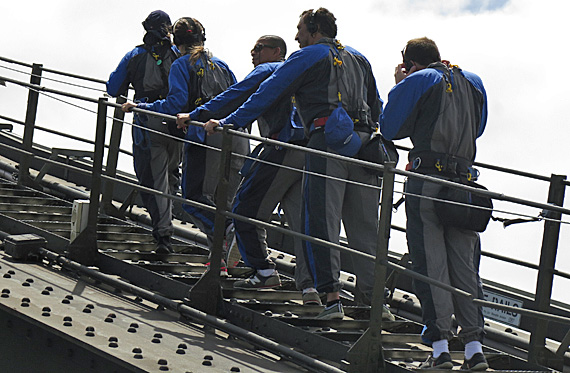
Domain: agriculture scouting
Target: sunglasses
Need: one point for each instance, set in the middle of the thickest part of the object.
(258, 47)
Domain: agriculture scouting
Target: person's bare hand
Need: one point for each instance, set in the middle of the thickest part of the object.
(181, 120)
(128, 107)
(210, 126)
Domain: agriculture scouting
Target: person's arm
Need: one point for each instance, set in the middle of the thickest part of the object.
(118, 82)
(282, 83)
(228, 101)
(394, 121)
(178, 90)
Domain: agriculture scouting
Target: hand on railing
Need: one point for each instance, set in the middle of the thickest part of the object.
(128, 107)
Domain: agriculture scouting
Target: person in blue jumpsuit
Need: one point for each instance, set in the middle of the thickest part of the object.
(200, 166)
(265, 185)
(156, 158)
(443, 110)
(318, 75)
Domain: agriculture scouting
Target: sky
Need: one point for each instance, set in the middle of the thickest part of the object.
(518, 48)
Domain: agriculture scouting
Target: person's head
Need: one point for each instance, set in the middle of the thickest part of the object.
(314, 25)
(268, 48)
(189, 36)
(188, 32)
(420, 52)
(158, 22)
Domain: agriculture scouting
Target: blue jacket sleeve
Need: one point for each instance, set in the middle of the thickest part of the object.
(228, 101)
(178, 90)
(401, 101)
(283, 82)
(118, 81)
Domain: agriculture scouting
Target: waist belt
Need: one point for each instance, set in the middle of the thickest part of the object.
(444, 164)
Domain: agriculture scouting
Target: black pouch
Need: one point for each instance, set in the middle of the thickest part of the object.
(174, 130)
(461, 216)
(378, 150)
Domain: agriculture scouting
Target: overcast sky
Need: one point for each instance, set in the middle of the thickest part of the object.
(519, 48)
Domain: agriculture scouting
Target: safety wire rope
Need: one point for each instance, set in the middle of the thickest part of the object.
(291, 168)
(392, 265)
(54, 80)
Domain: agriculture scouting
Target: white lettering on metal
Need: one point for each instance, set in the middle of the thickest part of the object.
(507, 317)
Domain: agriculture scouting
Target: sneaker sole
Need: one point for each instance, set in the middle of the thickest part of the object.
(257, 287)
(332, 316)
(480, 367)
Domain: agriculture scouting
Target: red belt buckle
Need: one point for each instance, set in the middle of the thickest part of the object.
(320, 122)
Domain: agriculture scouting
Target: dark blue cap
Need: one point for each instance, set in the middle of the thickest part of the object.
(155, 20)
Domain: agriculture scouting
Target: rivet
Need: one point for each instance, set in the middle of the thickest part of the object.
(132, 330)
(11, 272)
(108, 319)
(134, 325)
(113, 339)
(45, 292)
(162, 362)
(65, 301)
(137, 350)
(207, 363)
(163, 368)
(138, 299)
(67, 318)
(87, 310)
(70, 297)
(90, 306)
(138, 356)
(180, 351)
(7, 275)
(30, 280)
(67, 323)
(235, 369)
(25, 284)
(49, 288)
(208, 357)
(113, 344)
(46, 309)
(157, 335)
(182, 345)
(155, 340)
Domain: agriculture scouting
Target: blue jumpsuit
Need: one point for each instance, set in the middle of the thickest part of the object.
(308, 74)
(443, 111)
(156, 158)
(200, 167)
(265, 185)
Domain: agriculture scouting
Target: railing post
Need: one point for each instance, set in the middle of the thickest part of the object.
(206, 295)
(30, 122)
(113, 159)
(366, 355)
(84, 248)
(538, 353)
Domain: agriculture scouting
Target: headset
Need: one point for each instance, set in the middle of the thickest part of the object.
(312, 27)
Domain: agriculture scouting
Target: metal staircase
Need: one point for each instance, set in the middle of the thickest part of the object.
(275, 314)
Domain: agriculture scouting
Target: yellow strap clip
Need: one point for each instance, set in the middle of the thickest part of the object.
(439, 166)
(449, 89)
(200, 72)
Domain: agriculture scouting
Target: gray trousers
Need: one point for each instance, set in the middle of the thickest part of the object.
(157, 159)
(327, 202)
(449, 255)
